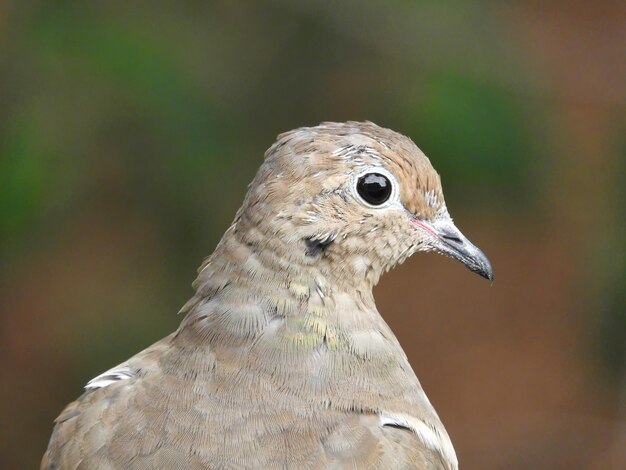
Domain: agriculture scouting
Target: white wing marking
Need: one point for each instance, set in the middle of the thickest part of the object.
(432, 437)
(121, 372)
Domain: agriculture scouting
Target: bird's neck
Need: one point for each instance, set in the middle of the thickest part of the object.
(261, 303)
(291, 329)
(249, 288)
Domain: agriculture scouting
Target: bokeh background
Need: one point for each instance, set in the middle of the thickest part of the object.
(129, 131)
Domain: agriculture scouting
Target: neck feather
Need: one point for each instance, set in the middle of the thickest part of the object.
(291, 330)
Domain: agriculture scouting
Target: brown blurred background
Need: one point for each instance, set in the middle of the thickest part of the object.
(129, 130)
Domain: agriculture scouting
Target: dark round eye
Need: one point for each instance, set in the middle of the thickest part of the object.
(374, 188)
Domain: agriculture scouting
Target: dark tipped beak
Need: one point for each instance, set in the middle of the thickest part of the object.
(451, 242)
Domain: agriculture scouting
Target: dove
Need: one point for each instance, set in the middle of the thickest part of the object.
(282, 359)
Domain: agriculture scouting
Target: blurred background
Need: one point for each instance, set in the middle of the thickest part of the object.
(129, 131)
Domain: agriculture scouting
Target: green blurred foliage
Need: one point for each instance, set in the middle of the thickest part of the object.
(611, 336)
(478, 134)
(22, 179)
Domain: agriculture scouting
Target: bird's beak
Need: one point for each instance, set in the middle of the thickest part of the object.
(449, 241)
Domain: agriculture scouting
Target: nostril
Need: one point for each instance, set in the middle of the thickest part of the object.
(452, 238)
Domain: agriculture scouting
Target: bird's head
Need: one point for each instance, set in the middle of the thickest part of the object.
(351, 198)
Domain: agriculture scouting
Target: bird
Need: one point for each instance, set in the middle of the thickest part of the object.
(282, 359)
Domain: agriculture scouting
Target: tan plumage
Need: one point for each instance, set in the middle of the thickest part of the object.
(282, 360)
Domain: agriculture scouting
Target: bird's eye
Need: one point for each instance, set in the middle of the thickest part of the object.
(374, 188)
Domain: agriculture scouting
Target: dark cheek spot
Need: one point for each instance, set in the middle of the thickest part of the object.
(317, 247)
